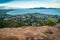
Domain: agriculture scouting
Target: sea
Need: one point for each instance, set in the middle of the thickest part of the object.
(50, 11)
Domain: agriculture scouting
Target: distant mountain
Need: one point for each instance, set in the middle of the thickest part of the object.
(42, 8)
(39, 8)
(15, 11)
(6, 7)
(52, 11)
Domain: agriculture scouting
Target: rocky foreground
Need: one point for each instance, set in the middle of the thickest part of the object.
(30, 33)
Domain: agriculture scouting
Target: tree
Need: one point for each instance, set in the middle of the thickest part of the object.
(3, 15)
(41, 21)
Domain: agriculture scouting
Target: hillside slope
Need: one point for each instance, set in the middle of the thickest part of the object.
(30, 33)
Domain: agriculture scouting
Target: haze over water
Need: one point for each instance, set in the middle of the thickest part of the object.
(42, 11)
(31, 4)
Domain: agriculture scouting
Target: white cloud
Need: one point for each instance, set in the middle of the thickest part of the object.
(31, 4)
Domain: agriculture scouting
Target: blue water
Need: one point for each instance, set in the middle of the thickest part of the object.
(43, 11)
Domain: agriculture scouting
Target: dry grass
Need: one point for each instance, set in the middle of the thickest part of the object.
(29, 33)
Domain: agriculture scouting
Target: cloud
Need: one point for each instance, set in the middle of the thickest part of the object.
(55, 1)
(31, 3)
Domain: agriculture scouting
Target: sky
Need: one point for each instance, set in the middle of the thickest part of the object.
(30, 3)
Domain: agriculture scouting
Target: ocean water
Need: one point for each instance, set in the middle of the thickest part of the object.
(51, 11)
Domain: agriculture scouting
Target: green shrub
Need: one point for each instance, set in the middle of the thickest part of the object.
(51, 21)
